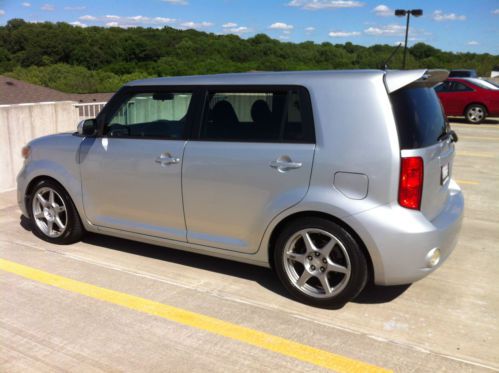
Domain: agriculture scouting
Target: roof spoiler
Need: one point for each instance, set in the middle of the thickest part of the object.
(396, 79)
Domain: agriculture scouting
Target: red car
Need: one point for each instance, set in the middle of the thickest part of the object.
(473, 98)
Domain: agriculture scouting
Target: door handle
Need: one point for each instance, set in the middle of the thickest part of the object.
(166, 159)
(285, 165)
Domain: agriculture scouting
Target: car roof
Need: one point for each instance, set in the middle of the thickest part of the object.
(264, 78)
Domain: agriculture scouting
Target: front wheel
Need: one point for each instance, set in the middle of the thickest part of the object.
(53, 216)
(320, 263)
(475, 114)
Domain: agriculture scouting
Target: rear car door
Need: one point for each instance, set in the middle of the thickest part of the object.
(250, 160)
(131, 173)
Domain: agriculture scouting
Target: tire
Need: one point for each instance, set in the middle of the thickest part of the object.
(475, 113)
(53, 215)
(332, 255)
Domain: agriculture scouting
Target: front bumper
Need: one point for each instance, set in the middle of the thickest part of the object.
(22, 184)
(399, 239)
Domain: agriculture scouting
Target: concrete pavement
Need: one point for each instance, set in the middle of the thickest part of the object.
(446, 322)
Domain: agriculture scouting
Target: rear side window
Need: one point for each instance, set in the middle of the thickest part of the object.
(256, 116)
(419, 117)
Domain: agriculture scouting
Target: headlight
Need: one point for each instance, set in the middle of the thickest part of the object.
(26, 152)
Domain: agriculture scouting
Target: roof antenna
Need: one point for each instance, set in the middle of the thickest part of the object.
(384, 65)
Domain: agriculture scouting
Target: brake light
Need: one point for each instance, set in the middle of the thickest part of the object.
(411, 182)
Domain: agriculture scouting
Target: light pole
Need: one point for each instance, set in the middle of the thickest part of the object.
(408, 13)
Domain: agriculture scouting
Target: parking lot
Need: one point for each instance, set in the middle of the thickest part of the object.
(117, 305)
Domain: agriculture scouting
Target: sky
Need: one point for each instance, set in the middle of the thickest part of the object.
(451, 25)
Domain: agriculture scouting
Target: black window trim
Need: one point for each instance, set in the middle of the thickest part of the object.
(196, 115)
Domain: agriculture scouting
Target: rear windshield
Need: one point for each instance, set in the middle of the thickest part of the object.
(419, 117)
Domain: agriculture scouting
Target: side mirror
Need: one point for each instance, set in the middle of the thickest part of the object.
(87, 127)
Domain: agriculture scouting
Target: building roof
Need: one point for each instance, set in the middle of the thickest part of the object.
(13, 91)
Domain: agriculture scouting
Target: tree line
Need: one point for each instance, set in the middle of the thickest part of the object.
(101, 59)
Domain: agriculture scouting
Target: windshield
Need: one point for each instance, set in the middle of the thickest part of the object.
(483, 83)
(419, 117)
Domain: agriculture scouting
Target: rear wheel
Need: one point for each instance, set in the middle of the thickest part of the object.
(53, 215)
(320, 263)
(475, 113)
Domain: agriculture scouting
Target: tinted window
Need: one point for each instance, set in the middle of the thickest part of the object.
(419, 117)
(460, 87)
(264, 116)
(151, 115)
(442, 87)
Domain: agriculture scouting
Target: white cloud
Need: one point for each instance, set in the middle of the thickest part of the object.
(88, 18)
(472, 42)
(281, 26)
(111, 20)
(388, 30)
(325, 4)
(233, 28)
(78, 24)
(309, 29)
(343, 34)
(2, 12)
(163, 20)
(26, 4)
(383, 11)
(495, 12)
(237, 30)
(78, 7)
(438, 15)
(139, 19)
(48, 7)
(196, 25)
(176, 2)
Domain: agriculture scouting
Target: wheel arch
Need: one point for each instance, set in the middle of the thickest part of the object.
(476, 103)
(305, 214)
(36, 180)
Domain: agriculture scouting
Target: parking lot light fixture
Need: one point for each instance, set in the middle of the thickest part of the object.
(407, 13)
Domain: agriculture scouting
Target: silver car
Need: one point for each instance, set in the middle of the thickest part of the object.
(330, 178)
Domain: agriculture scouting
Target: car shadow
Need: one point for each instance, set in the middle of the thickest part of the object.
(460, 120)
(263, 276)
(374, 294)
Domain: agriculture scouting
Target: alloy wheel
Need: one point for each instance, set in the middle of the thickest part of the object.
(316, 263)
(49, 212)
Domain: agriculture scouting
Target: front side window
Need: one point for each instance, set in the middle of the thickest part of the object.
(265, 116)
(151, 115)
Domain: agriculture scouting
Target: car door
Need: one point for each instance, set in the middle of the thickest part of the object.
(131, 174)
(252, 160)
(446, 96)
(462, 96)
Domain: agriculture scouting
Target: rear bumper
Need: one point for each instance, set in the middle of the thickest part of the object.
(400, 239)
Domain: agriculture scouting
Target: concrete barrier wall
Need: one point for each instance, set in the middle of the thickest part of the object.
(19, 124)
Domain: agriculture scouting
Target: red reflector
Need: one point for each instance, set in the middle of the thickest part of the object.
(411, 182)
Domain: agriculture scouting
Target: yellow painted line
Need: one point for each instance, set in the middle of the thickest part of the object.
(467, 182)
(239, 333)
(465, 153)
(481, 138)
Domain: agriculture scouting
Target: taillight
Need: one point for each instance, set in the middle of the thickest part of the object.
(411, 182)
